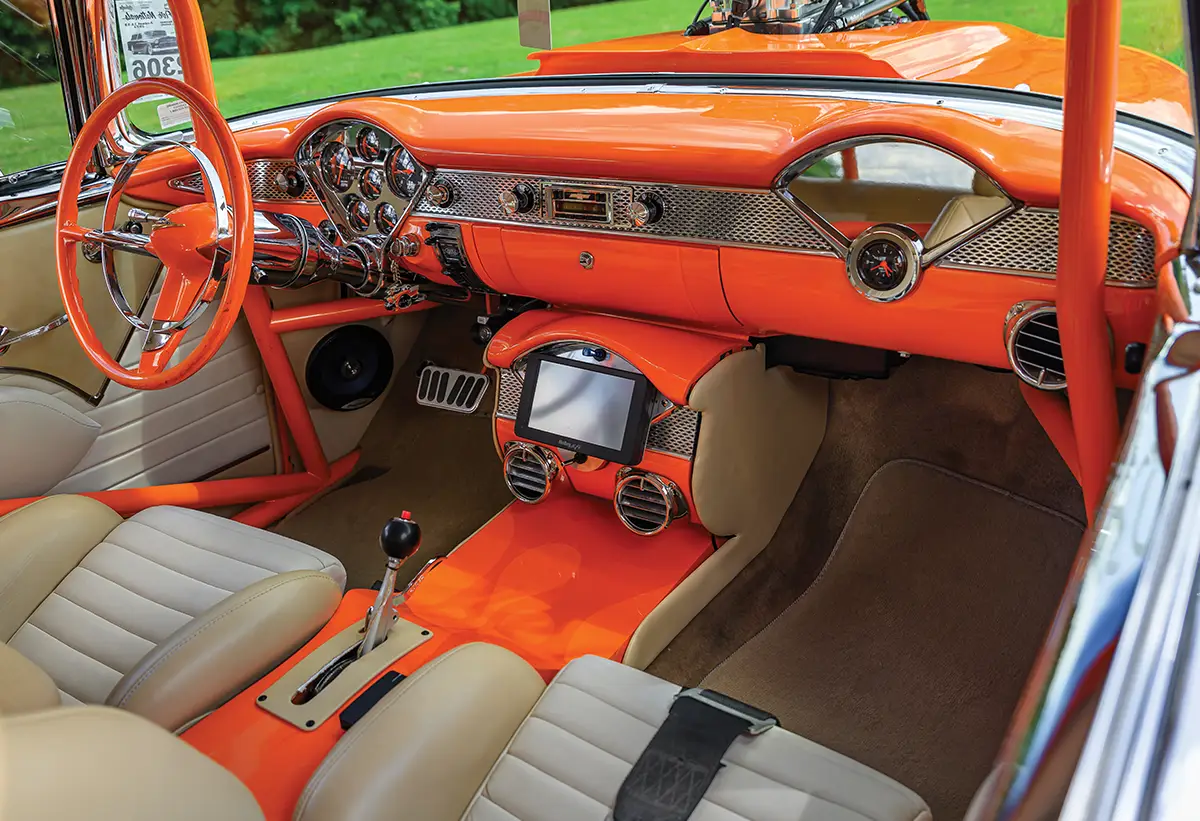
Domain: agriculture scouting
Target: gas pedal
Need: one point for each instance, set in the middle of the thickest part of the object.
(451, 389)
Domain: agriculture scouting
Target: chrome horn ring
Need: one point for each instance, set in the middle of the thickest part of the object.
(110, 239)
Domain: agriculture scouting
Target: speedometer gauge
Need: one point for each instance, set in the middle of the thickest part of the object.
(403, 174)
(337, 166)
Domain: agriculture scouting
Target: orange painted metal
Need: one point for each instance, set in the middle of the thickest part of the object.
(288, 395)
(335, 312)
(550, 582)
(987, 54)
(1093, 31)
(952, 314)
(216, 493)
(197, 70)
(1054, 415)
(267, 513)
(628, 276)
(602, 482)
(672, 358)
(850, 164)
(195, 223)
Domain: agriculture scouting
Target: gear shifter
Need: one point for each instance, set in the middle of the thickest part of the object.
(399, 539)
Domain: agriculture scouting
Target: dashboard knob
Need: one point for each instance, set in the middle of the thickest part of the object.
(291, 183)
(647, 209)
(405, 246)
(440, 193)
(520, 199)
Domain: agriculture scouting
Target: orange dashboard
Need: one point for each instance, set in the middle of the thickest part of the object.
(734, 253)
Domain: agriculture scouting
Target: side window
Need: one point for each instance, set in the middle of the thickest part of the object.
(33, 120)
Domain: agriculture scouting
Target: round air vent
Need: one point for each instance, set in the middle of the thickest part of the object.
(646, 503)
(529, 471)
(1034, 349)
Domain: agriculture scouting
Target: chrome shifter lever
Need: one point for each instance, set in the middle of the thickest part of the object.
(399, 539)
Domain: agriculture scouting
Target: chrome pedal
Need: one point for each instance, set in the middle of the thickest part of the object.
(451, 389)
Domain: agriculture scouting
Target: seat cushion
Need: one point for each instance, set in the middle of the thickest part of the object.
(570, 756)
(146, 580)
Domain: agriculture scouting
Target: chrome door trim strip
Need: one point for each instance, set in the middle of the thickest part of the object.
(42, 202)
(1149, 142)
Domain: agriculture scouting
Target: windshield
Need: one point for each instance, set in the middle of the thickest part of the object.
(272, 53)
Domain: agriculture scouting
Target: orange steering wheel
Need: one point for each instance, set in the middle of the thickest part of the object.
(206, 249)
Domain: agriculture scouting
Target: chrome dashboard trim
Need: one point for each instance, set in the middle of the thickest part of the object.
(701, 214)
(263, 187)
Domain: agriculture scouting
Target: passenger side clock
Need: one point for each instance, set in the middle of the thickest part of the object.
(884, 262)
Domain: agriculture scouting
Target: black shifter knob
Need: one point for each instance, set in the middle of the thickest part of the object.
(401, 537)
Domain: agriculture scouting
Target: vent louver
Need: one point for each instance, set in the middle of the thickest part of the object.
(529, 472)
(1034, 348)
(647, 504)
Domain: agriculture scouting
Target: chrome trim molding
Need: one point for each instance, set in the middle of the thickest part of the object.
(42, 203)
(1025, 243)
(8, 337)
(264, 184)
(726, 216)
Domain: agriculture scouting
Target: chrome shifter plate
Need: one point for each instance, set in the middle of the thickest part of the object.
(451, 389)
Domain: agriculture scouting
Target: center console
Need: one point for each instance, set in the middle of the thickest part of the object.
(648, 463)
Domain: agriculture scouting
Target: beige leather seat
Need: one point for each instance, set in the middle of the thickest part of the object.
(167, 614)
(966, 211)
(475, 734)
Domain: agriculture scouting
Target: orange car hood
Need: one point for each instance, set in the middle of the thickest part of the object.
(987, 54)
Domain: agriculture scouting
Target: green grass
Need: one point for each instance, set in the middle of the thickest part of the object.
(489, 49)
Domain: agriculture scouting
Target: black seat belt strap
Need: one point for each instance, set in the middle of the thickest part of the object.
(672, 774)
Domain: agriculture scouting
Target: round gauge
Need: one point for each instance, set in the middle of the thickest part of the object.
(371, 183)
(368, 144)
(884, 261)
(403, 174)
(881, 264)
(386, 218)
(337, 166)
(358, 212)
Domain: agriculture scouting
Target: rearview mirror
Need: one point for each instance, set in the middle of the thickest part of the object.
(533, 19)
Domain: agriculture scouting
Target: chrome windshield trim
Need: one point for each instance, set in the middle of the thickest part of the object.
(1172, 155)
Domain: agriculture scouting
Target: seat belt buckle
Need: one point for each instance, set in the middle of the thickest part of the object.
(759, 721)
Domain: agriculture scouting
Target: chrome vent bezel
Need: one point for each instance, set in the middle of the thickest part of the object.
(529, 472)
(647, 503)
(1033, 344)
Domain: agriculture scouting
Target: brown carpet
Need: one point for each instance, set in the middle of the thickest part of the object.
(950, 414)
(910, 650)
(439, 465)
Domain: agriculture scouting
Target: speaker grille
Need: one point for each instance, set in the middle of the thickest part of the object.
(1034, 347)
(646, 503)
(529, 472)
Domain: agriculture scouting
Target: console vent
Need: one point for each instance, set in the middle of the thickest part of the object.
(1034, 349)
(529, 472)
(647, 504)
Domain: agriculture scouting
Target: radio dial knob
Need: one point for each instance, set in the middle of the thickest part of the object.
(647, 209)
(520, 199)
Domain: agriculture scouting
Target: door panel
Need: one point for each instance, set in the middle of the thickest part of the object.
(29, 298)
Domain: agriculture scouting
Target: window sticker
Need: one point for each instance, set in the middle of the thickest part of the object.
(148, 39)
(174, 114)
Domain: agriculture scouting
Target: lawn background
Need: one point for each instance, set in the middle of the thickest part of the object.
(490, 48)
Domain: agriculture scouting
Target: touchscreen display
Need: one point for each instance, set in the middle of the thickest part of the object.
(580, 404)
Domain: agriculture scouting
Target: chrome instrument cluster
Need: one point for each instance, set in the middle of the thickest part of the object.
(366, 179)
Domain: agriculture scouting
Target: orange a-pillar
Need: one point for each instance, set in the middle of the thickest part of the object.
(1089, 117)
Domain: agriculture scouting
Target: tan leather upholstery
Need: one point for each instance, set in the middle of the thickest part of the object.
(232, 645)
(568, 759)
(24, 687)
(43, 435)
(39, 545)
(108, 765)
(960, 214)
(423, 751)
(760, 430)
(167, 614)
